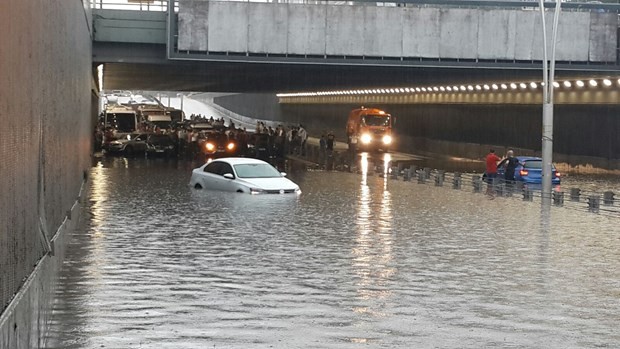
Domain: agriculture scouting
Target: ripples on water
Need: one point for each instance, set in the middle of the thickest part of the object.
(355, 261)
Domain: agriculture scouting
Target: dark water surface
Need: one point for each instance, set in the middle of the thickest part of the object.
(355, 261)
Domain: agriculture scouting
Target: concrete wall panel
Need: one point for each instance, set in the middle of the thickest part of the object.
(458, 33)
(45, 108)
(446, 33)
(193, 26)
(527, 31)
(383, 31)
(345, 30)
(268, 28)
(421, 32)
(228, 27)
(572, 44)
(307, 35)
(603, 37)
(496, 34)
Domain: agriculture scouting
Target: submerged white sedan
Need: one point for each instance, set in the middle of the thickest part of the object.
(242, 175)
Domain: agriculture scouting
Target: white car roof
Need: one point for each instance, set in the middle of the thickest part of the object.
(237, 161)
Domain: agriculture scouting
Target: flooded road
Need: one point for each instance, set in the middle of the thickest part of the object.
(357, 260)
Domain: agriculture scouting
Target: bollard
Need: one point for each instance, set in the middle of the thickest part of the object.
(427, 172)
(456, 181)
(407, 175)
(528, 194)
(558, 198)
(421, 177)
(608, 198)
(518, 186)
(594, 203)
(439, 180)
(395, 171)
(476, 181)
(442, 174)
(500, 188)
(574, 194)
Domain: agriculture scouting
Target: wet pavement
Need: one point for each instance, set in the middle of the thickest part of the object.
(357, 260)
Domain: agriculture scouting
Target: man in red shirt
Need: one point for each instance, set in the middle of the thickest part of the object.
(491, 171)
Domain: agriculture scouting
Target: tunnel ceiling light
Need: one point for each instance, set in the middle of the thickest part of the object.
(423, 89)
(618, 81)
(463, 88)
(556, 84)
(579, 83)
(456, 88)
(504, 87)
(442, 89)
(523, 85)
(567, 84)
(436, 89)
(407, 89)
(593, 83)
(417, 89)
(533, 85)
(486, 87)
(449, 89)
(495, 87)
(478, 88)
(513, 86)
(470, 87)
(606, 82)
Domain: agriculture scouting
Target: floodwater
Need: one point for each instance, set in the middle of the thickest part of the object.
(355, 261)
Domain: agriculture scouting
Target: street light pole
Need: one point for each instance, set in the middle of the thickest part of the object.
(547, 106)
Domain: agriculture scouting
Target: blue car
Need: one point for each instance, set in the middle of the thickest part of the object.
(529, 171)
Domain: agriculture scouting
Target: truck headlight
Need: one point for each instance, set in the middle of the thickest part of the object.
(210, 146)
(387, 139)
(366, 138)
(230, 146)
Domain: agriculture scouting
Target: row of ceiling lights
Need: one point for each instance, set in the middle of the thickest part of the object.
(455, 88)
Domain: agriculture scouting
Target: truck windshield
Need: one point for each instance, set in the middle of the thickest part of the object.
(122, 122)
(377, 120)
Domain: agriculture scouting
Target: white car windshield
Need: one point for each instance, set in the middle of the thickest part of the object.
(256, 171)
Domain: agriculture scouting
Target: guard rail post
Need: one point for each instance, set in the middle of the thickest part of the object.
(427, 173)
(439, 178)
(421, 177)
(558, 198)
(575, 193)
(457, 181)
(395, 170)
(528, 194)
(608, 198)
(594, 203)
(476, 181)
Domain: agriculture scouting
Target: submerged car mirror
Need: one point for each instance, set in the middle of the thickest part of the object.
(229, 176)
(283, 174)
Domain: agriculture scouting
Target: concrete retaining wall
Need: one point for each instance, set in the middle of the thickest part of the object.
(45, 108)
(399, 32)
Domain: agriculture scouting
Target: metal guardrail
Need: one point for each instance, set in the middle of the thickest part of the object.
(162, 5)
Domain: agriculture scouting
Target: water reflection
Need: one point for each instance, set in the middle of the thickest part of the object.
(372, 254)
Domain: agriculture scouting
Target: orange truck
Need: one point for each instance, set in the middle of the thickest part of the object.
(369, 129)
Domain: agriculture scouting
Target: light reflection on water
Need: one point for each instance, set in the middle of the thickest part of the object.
(357, 259)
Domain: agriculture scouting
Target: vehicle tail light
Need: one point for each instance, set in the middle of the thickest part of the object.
(558, 174)
(524, 173)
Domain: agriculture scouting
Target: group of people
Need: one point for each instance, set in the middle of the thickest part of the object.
(493, 162)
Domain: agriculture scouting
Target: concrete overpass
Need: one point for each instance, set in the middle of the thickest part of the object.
(251, 47)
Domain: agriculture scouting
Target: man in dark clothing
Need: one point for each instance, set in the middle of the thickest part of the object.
(511, 165)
